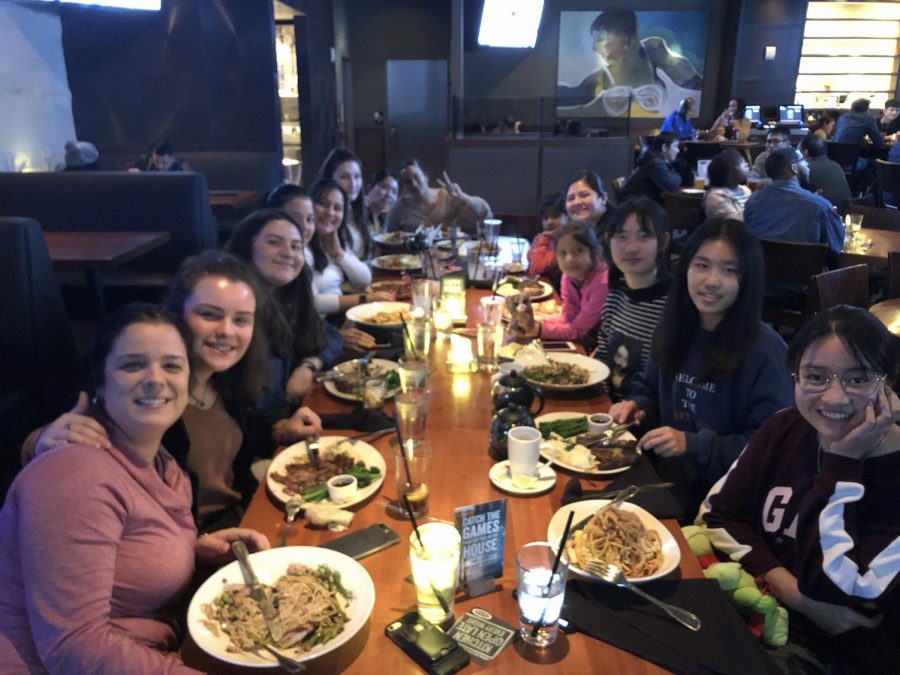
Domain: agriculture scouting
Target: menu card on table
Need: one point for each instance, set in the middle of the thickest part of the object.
(483, 530)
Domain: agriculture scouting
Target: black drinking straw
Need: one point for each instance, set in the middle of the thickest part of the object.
(412, 345)
(559, 551)
(402, 449)
(415, 525)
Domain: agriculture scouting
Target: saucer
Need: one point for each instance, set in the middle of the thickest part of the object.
(500, 477)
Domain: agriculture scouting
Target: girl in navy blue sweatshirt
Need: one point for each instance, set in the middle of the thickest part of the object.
(716, 372)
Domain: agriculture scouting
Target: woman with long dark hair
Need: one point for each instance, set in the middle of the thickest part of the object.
(345, 168)
(716, 372)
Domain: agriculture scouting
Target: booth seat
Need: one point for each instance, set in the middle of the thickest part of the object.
(224, 170)
(102, 201)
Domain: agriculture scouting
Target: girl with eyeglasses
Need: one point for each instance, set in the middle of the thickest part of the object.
(811, 504)
(716, 372)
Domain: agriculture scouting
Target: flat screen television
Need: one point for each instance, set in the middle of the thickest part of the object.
(791, 115)
(753, 113)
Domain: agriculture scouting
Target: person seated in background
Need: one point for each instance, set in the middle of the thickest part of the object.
(99, 542)
(579, 255)
(345, 168)
(636, 245)
(826, 177)
(778, 137)
(162, 158)
(727, 194)
(510, 125)
(654, 173)
(541, 256)
(786, 211)
(81, 156)
(889, 122)
(677, 121)
(731, 123)
(716, 371)
(423, 205)
(857, 125)
(382, 195)
(586, 201)
(811, 504)
(823, 127)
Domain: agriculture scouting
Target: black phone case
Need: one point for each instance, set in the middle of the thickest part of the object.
(364, 542)
(427, 645)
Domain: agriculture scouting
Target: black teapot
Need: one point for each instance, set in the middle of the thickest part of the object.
(513, 415)
(514, 388)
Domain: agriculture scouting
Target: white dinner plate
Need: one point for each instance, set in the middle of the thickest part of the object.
(363, 313)
(397, 262)
(269, 565)
(671, 552)
(598, 371)
(393, 238)
(296, 453)
(501, 478)
(332, 389)
(559, 458)
(507, 289)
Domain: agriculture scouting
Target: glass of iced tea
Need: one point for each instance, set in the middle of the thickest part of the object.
(412, 472)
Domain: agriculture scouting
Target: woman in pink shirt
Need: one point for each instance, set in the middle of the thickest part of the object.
(99, 542)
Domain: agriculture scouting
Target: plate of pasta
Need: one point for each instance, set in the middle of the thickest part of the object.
(627, 536)
(324, 599)
(562, 372)
(380, 314)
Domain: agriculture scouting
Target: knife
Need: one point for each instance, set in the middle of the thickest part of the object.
(612, 494)
(312, 451)
(257, 592)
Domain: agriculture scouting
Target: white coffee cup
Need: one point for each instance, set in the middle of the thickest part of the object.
(506, 368)
(523, 445)
(599, 422)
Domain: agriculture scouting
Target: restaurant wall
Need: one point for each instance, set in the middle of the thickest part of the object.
(532, 73)
(200, 73)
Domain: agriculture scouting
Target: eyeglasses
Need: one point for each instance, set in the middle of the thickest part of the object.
(862, 384)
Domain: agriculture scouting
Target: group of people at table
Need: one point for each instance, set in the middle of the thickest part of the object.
(796, 478)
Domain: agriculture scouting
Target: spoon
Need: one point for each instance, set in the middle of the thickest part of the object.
(291, 508)
(613, 575)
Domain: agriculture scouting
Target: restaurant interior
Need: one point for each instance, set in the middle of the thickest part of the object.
(252, 97)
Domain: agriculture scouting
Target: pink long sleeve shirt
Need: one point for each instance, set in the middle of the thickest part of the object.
(97, 550)
(582, 305)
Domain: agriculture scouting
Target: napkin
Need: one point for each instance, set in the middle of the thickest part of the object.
(360, 419)
(328, 515)
(660, 503)
(623, 619)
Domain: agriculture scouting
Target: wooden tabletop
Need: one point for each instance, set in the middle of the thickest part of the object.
(888, 312)
(458, 421)
(100, 250)
(876, 256)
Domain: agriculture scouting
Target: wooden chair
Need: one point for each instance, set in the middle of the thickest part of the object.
(844, 286)
(876, 218)
(685, 211)
(888, 182)
(790, 267)
(893, 287)
(847, 155)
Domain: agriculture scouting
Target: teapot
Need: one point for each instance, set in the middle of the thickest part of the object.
(514, 388)
(513, 415)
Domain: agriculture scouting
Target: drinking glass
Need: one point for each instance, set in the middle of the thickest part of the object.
(492, 309)
(413, 374)
(540, 597)
(443, 320)
(435, 568)
(412, 473)
(492, 229)
(417, 338)
(490, 340)
(411, 410)
(422, 294)
(856, 220)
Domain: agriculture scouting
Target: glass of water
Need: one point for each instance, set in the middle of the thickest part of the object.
(540, 596)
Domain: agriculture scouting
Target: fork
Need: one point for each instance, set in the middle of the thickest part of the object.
(284, 661)
(613, 575)
(291, 509)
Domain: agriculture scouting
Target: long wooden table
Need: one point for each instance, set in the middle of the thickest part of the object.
(458, 421)
(876, 256)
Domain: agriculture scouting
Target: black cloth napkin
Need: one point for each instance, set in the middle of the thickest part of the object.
(617, 616)
(660, 503)
(359, 419)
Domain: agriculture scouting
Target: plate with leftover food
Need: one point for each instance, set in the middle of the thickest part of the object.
(344, 381)
(562, 372)
(380, 314)
(398, 262)
(561, 446)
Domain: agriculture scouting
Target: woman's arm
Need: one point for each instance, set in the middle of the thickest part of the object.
(358, 273)
(580, 315)
(68, 543)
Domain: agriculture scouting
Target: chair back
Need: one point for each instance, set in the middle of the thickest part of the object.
(790, 266)
(888, 182)
(844, 286)
(893, 288)
(685, 211)
(844, 154)
(877, 219)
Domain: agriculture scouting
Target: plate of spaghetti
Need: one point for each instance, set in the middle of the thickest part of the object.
(628, 536)
(323, 598)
